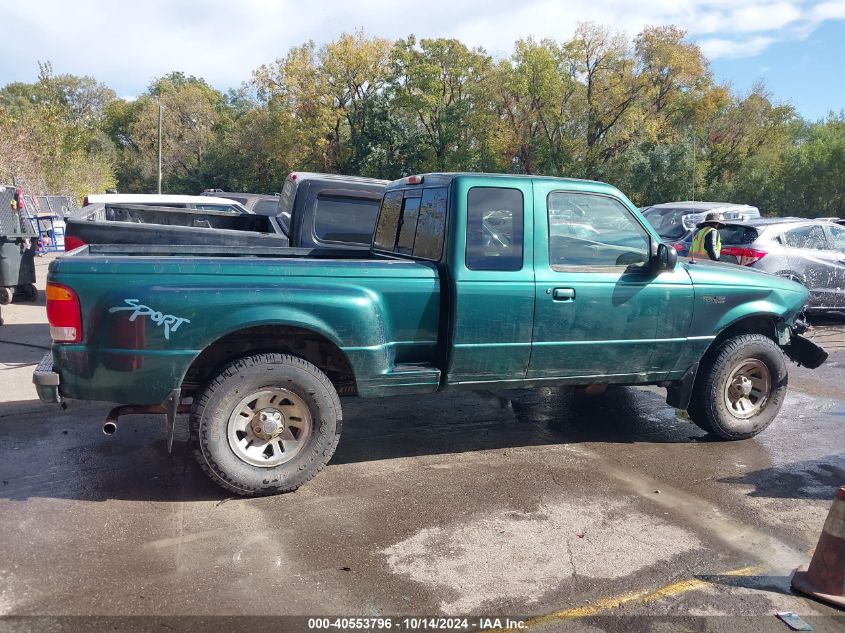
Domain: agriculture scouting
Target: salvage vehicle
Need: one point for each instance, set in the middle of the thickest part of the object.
(675, 222)
(203, 203)
(811, 252)
(262, 204)
(463, 287)
(314, 210)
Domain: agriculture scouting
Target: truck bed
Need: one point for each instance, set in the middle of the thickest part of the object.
(150, 225)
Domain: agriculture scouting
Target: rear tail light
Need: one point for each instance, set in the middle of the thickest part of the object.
(85, 201)
(413, 180)
(64, 314)
(744, 256)
(72, 242)
(679, 246)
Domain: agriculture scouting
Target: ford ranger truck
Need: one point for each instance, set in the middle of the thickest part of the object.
(473, 281)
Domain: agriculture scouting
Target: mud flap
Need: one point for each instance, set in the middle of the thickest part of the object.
(678, 393)
(804, 352)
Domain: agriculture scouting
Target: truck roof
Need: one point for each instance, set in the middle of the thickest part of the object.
(444, 178)
(154, 198)
(698, 205)
(313, 175)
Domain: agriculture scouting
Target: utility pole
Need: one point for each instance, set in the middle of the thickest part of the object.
(693, 160)
(159, 145)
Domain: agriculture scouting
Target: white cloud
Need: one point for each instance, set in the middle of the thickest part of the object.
(127, 45)
(717, 47)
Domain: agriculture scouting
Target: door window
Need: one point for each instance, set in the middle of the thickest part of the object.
(810, 237)
(494, 228)
(837, 236)
(587, 230)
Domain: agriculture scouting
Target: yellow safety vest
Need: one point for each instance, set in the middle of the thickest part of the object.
(697, 249)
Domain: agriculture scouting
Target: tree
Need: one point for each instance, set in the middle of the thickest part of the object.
(330, 92)
(51, 133)
(438, 86)
(612, 112)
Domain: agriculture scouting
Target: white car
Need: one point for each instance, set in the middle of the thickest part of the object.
(205, 203)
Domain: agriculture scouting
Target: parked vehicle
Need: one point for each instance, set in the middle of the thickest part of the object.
(463, 288)
(114, 223)
(201, 203)
(811, 252)
(18, 245)
(675, 222)
(261, 204)
(345, 207)
(328, 211)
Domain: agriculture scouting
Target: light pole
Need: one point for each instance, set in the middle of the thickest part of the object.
(159, 145)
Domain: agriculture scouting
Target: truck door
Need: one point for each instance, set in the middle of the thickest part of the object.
(493, 280)
(599, 310)
(836, 239)
(815, 260)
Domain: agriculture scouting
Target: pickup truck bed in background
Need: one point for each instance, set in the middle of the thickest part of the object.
(314, 211)
(141, 224)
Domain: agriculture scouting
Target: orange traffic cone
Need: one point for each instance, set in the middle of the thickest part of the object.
(825, 578)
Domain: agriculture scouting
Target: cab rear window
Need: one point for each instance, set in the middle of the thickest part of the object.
(412, 222)
(345, 219)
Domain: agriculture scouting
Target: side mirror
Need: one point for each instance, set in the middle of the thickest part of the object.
(666, 258)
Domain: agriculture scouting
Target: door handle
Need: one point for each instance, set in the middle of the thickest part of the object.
(563, 294)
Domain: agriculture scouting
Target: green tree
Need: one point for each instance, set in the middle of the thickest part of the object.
(437, 85)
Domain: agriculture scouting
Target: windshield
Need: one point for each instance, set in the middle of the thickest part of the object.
(668, 223)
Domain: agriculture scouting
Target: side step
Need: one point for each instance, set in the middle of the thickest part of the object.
(415, 373)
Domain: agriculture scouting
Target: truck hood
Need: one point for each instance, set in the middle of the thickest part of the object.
(709, 273)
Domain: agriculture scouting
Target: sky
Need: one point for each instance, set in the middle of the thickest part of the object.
(796, 46)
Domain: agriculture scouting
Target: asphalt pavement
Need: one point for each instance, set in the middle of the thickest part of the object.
(535, 504)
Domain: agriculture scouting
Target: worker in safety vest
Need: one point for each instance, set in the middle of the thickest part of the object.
(707, 242)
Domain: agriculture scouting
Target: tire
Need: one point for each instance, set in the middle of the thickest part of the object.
(229, 430)
(5, 296)
(729, 412)
(30, 292)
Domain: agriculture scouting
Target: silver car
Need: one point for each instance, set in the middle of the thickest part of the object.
(811, 252)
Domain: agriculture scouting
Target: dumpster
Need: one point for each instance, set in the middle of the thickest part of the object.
(18, 246)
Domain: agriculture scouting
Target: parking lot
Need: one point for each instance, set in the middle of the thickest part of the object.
(529, 503)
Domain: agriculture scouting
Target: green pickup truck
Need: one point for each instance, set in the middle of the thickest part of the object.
(473, 281)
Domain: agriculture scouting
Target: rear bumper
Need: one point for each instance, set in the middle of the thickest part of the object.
(47, 381)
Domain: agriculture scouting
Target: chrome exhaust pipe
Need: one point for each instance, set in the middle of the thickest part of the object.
(109, 428)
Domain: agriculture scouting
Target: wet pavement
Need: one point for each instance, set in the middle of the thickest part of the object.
(530, 503)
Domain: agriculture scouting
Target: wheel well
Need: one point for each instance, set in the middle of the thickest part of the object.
(758, 324)
(300, 342)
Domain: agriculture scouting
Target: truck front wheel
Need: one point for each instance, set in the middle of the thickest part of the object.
(740, 388)
(266, 424)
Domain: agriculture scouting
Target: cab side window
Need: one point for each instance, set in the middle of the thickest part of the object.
(809, 237)
(413, 222)
(587, 230)
(494, 228)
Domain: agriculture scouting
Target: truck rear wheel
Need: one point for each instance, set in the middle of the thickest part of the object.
(740, 389)
(266, 424)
